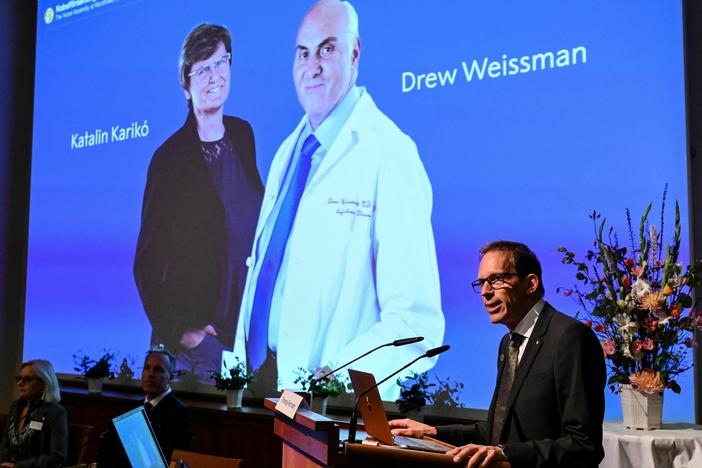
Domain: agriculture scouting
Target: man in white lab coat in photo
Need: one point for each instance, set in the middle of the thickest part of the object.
(343, 258)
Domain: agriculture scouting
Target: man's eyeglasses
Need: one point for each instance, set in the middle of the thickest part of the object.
(205, 71)
(496, 281)
(25, 379)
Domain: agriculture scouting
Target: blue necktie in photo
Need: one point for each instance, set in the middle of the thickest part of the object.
(257, 342)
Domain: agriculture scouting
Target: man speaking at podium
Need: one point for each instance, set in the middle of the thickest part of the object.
(343, 258)
(548, 404)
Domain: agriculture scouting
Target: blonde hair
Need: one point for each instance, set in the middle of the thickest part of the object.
(45, 371)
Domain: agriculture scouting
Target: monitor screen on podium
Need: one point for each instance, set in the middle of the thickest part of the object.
(513, 121)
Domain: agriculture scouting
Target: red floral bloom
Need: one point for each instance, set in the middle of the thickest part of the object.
(599, 328)
(629, 262)
(651, 322)
(626, 281)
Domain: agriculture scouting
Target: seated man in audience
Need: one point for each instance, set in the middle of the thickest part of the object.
(170, 418)
(548, 404)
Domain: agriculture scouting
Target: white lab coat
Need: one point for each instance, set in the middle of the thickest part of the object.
(361, 259)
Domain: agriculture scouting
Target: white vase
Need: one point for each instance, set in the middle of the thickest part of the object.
(234, 398)
(95, 385)
(641, 410)
(319, 405)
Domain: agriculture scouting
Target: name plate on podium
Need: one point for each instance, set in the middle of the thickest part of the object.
(289, 403)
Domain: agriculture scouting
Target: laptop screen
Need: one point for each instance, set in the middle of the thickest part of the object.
(371, 407)
(137, 437)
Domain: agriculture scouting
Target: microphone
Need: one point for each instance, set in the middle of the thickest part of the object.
(354, 415)
(400, 342)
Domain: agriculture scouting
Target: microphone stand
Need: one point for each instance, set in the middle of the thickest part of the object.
(400, 342)
(354, 415)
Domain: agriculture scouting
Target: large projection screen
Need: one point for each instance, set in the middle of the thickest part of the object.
(527, 116)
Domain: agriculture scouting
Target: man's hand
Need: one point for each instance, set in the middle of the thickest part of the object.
(7, 464)
(410, 428)
(477, 455)
(192, 338)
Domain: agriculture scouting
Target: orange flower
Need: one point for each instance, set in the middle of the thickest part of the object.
(629, 262)
(674, 312)
(626, 281)
(647, 381)
(651, 301)
(667, 290)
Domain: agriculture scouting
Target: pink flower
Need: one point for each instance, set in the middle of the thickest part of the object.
(638, 346)
(609, 346)
(651, 322)
(637, 271)
(647, 344)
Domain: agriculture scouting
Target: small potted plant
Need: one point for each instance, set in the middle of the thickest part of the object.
(321, 390)
(232, 382)
(94, 371)
(415, 394)
(447, 393)
(125, 373)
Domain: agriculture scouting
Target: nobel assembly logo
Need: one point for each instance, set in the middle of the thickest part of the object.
(49, 15)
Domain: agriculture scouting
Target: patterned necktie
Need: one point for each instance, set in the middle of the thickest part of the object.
(257, 342)
(498, 420)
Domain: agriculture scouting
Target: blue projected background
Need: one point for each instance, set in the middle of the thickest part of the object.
(521, 152)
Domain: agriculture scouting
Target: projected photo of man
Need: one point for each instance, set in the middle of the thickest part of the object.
(202, 198)
(344, 257)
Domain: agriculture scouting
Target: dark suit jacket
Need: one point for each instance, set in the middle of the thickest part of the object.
(183, 237)
(45, 448)
(172, 422)
(556, 405)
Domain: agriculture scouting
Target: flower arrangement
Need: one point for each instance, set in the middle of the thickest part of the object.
(94, 369)
(235, 378)
(635, 298)
(329, 387)
(416, 392)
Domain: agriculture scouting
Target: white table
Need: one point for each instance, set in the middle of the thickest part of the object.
(675, 445)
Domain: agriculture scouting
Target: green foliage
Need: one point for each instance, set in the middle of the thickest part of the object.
(94, 369)
(235, 378)
(416, 391)
(329, 387)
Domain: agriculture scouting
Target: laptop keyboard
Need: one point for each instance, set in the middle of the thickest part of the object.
(419, 444)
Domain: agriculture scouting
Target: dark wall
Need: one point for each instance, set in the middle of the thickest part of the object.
(693, 80)
(17, 38)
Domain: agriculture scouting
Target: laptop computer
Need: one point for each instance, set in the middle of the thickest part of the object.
(376, 421)
(138, 439)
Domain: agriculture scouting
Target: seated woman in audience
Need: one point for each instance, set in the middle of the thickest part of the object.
(37, 432)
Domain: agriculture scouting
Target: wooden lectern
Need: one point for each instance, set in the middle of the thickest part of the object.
(312, 440)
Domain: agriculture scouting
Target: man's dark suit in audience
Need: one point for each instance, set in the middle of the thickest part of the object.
(171, 420)
(548, 404)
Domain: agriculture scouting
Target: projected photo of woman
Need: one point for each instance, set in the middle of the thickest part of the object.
(201, 203)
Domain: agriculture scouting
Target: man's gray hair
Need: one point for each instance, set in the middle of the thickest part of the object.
(45, 371)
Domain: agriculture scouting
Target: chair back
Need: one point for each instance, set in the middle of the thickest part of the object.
(200, 460)
(78, 438)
